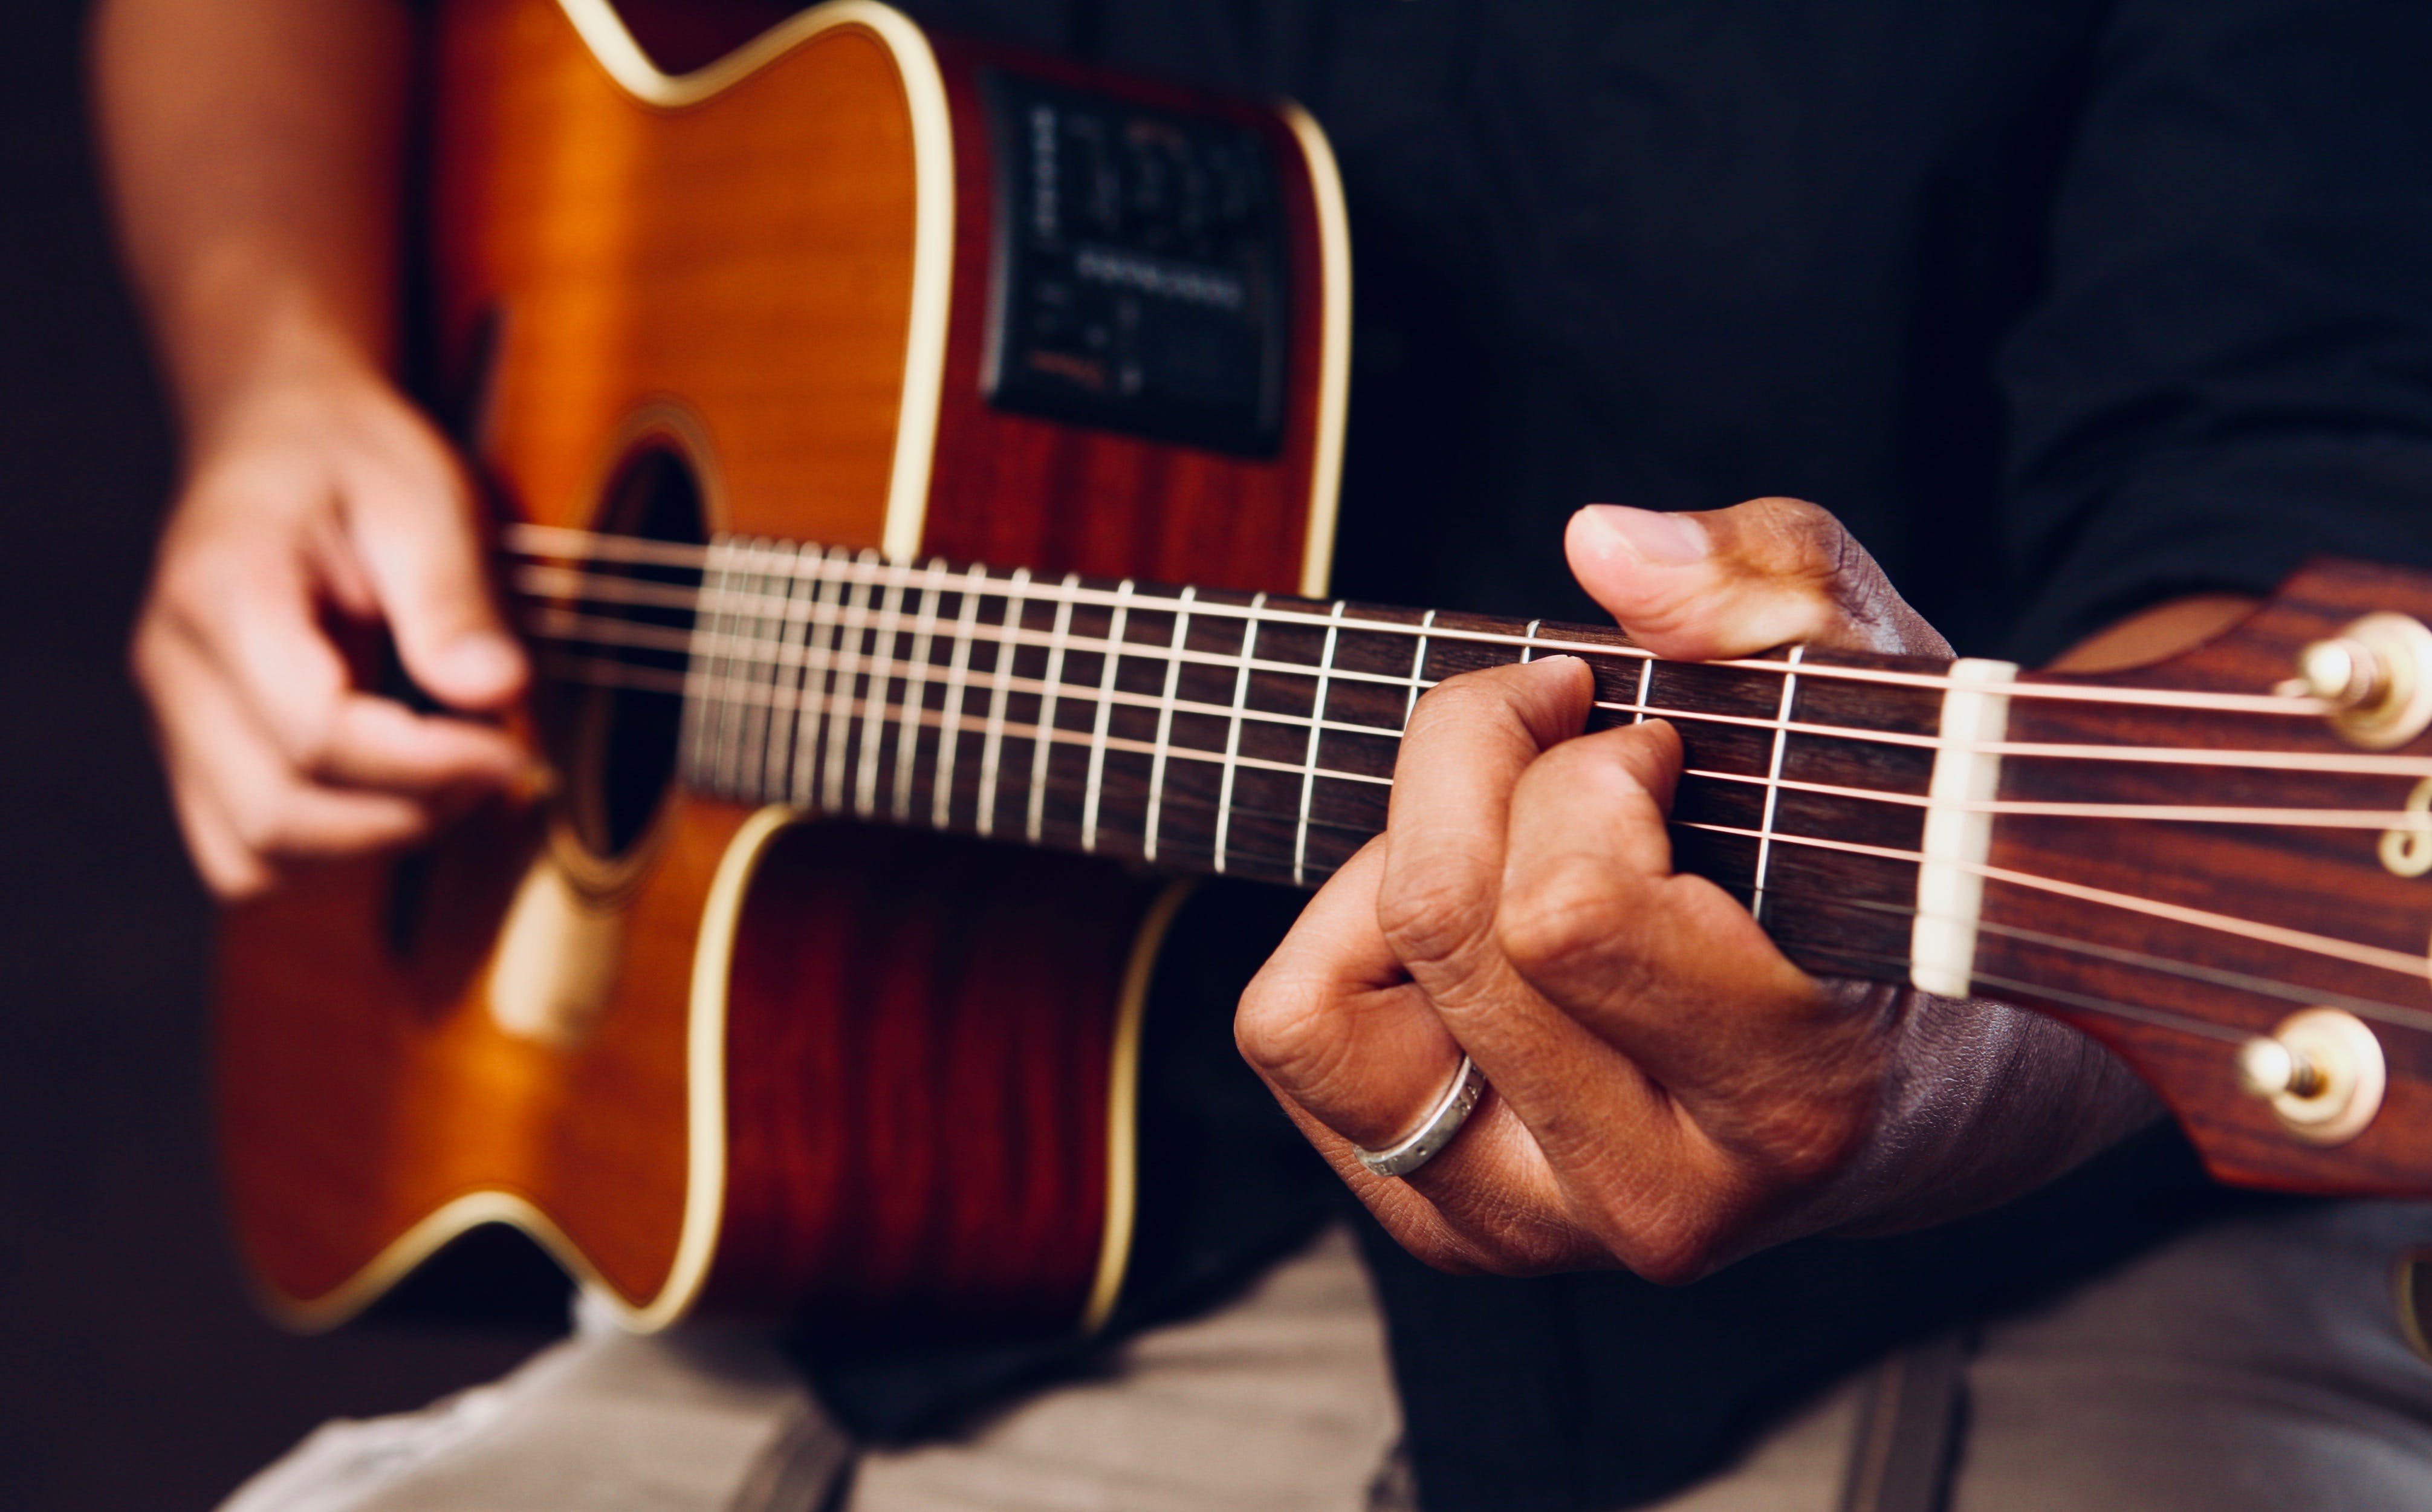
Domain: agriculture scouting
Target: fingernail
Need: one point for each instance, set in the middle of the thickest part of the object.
(1667, 540)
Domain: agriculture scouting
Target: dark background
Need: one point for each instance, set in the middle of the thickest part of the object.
(134, 1371)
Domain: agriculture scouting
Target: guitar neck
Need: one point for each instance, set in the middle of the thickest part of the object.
(1246, 735)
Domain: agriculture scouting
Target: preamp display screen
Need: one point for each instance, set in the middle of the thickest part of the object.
(1139, 277)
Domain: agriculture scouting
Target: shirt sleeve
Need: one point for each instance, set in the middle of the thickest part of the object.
(2232, 368)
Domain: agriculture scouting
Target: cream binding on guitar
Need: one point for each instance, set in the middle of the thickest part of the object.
(720, 1043)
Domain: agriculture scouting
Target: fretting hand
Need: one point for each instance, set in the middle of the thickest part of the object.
(1669, 1093)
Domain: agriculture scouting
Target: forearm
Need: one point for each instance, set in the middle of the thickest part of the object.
(253, 151)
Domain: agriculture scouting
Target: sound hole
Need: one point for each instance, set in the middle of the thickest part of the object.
(610, 704)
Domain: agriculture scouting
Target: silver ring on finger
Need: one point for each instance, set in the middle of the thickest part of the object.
(1434, 1132)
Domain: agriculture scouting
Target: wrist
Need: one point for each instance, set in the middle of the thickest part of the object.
(307, 385)
(274, 356)
(1982, 1103)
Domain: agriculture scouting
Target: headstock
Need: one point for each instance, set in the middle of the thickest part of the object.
(2228, 879)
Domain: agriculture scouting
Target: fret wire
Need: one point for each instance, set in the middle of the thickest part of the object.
(994, 744)
(731, 720)
(950, 739)
(1527, 639)
(770, 726)
(846, 678)
(836, 695)
(719, 714)
(1646, 682)
(1040, 750)
(1105, 712)
(704, 637)
(2294, 707)
(818, 666)
(1773, 787)
(1418, 667)
(763, 724)
(749, 620)
(784, 734)
(700, 642)
(1165, 723)
(1233, 733)
(1316, 732)
(811, 719)
(916, 695)
(873, 737)
(761, 585)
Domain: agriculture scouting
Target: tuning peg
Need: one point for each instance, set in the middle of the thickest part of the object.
(2269, 1068)
(2376, 676)
(2343, 673)
(2320, 1070)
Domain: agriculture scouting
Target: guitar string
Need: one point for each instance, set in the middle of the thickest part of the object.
(565, 624)
(558, 543)
(565, 627)
(2353, 952)
(2313, 763)
(2087, 1002)
(2391, 1014)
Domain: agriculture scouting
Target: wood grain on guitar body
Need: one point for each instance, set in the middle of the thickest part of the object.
(758, 1005)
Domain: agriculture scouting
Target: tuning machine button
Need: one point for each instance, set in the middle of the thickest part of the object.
(2376, 675)
(2320, 1071)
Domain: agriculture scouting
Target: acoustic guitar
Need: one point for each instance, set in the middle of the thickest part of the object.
(817, 974)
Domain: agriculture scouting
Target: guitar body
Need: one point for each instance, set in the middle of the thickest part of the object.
(713, 1056)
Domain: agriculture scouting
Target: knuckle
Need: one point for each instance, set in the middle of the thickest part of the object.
(1794, 541)
(1556, 920)
(234, 881)
(1280, 1025)
(1463, 699)
(1534, 1250)
(262, 824)
(1673, 1246)
(312, 743)
(1807, 1141)
(1432, 917)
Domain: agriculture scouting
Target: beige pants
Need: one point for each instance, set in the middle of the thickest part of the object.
(2251, 1366)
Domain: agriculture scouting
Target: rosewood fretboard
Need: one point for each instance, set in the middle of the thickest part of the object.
(1202, 731)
